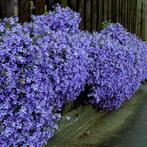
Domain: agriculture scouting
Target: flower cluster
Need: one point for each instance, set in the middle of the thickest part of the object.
(48, 62)
(63, 19)
(119, 66)
(41, 68)
(26, 116)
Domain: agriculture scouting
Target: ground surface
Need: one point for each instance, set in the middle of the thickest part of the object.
(85, 127)
(136, 136)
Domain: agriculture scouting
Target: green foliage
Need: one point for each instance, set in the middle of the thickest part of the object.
(105, 24)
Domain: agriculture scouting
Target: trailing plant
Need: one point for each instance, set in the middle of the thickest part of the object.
(49, 61)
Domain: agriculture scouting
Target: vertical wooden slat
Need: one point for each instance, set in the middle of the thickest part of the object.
(69, 3)
(122, 18)
(93, 14)
(73, 4)
(134, 16)
(24, 10)
(81, 10)
(78, 5)
(105, 10)
(99, 14)
(119, 11)
(1, 9)
(7, 8)
(130, 13)
(64, 3)
(113, 12)
(39, 6)
(48, 4)
(127, 14)
(144, 21)
(138, 18)
(102, 8)
(88, 14)
(141, 21)
(109, 10)
(84, 14)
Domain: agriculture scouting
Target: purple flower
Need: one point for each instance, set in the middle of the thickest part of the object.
(48, 62)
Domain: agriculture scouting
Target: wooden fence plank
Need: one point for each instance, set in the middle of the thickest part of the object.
(1, 6)
(131, 14)
(141, 22)
(88, 14)
(138, 18)
(127, 14)
(73, 4)
(122, 12)
(134, 16)
(93, 13)
(24, 10)
(102, 9)
(84, 14)
(99, 14)
(39, 6)
(119, 10)
(69, 3)
(6, 8)
(64, 3)
(105, 10)
(81, 10)
(78, 4)
(113, 12)
(109, 10)
(144, 20)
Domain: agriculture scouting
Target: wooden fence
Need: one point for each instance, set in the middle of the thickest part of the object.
(93, 12)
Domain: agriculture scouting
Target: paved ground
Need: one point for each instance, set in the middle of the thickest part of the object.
(137, 135)
(88, 128)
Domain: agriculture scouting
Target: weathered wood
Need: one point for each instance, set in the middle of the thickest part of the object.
(102, 9)
(39, 6)
(81, 10)
(105, 10)
(69, 3)
(94, 15)
(109, 10)
(138, 20)
(134, 16)
(24, 10)
(99, 14)
(73, 4)
(144, 26)
(119, 10)
(141, 24)
(88, 14)
(114, 11)
(6, 8)
(127, 12)
(64, 3)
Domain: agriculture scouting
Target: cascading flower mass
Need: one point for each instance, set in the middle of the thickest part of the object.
(48, 62)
